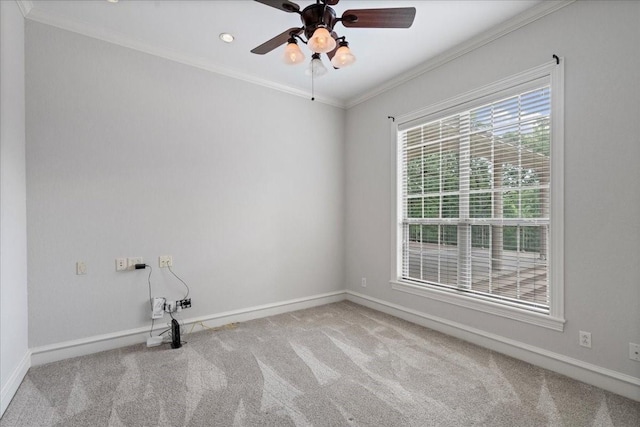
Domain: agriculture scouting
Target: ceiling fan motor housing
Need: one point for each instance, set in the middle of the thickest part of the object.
(321, 14)
(317, 15)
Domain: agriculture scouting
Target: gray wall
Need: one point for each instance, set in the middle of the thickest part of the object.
(13, 217)
(132, 155)
(599, 41)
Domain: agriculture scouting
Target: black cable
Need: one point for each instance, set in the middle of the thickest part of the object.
(185, 285)
(180, 321)
(151, 298)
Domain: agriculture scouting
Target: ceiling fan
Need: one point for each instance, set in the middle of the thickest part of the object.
(318, 22)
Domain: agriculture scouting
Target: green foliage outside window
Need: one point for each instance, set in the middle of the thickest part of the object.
(433, 182)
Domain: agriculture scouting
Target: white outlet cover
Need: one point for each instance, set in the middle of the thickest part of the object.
(81, 268)
(634, 351)
(585, 339)
(165, 261)
(121, 264)
(131, 262)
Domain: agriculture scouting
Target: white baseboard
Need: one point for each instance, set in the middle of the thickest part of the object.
(607, 379)
(10, 388)
(64, 350)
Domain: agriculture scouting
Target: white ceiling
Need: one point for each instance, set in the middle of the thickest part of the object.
(188, 31)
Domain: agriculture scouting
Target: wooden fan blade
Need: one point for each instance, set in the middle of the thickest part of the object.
(401, 17)
(278, 40)
(285, 5)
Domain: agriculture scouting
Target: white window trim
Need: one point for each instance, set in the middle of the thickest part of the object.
(555, 319)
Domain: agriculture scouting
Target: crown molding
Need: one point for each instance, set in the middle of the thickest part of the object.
(39, 15)
(537, 12)
(25, 6)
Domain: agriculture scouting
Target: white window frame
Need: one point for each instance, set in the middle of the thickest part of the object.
(553, 73)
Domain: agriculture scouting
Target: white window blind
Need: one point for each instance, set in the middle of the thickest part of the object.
(475, 198)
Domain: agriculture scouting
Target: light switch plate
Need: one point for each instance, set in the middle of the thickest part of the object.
(81, 268)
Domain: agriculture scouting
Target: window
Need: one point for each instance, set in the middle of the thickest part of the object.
(479, 199)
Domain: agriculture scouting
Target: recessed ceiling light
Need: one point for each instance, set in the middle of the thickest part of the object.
(226, 37)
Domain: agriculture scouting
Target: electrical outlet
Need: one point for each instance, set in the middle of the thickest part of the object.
(634, 351)
(170, 306)
(585, 339)
(121, 264)
(165, 261)
(131, 262)
(364, 282)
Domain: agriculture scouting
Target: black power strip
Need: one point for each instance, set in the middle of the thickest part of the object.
(171, 306)
(184, 303)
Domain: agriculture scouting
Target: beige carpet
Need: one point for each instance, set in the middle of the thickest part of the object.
(335, 365)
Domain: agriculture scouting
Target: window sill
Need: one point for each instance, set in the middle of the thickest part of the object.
(451, 297)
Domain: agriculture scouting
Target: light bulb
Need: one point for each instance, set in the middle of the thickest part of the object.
(321, 41)
(343, 57)
(292, 54)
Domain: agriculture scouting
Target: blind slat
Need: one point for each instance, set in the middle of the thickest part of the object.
(476, 199)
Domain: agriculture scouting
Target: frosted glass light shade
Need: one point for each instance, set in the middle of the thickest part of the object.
(316, 68)
(343, 57)
(293, 54)
(321, 41)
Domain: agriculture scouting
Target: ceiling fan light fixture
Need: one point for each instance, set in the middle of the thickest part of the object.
(316, 67)
(343, 56)
(321, 41)
(292, 53)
